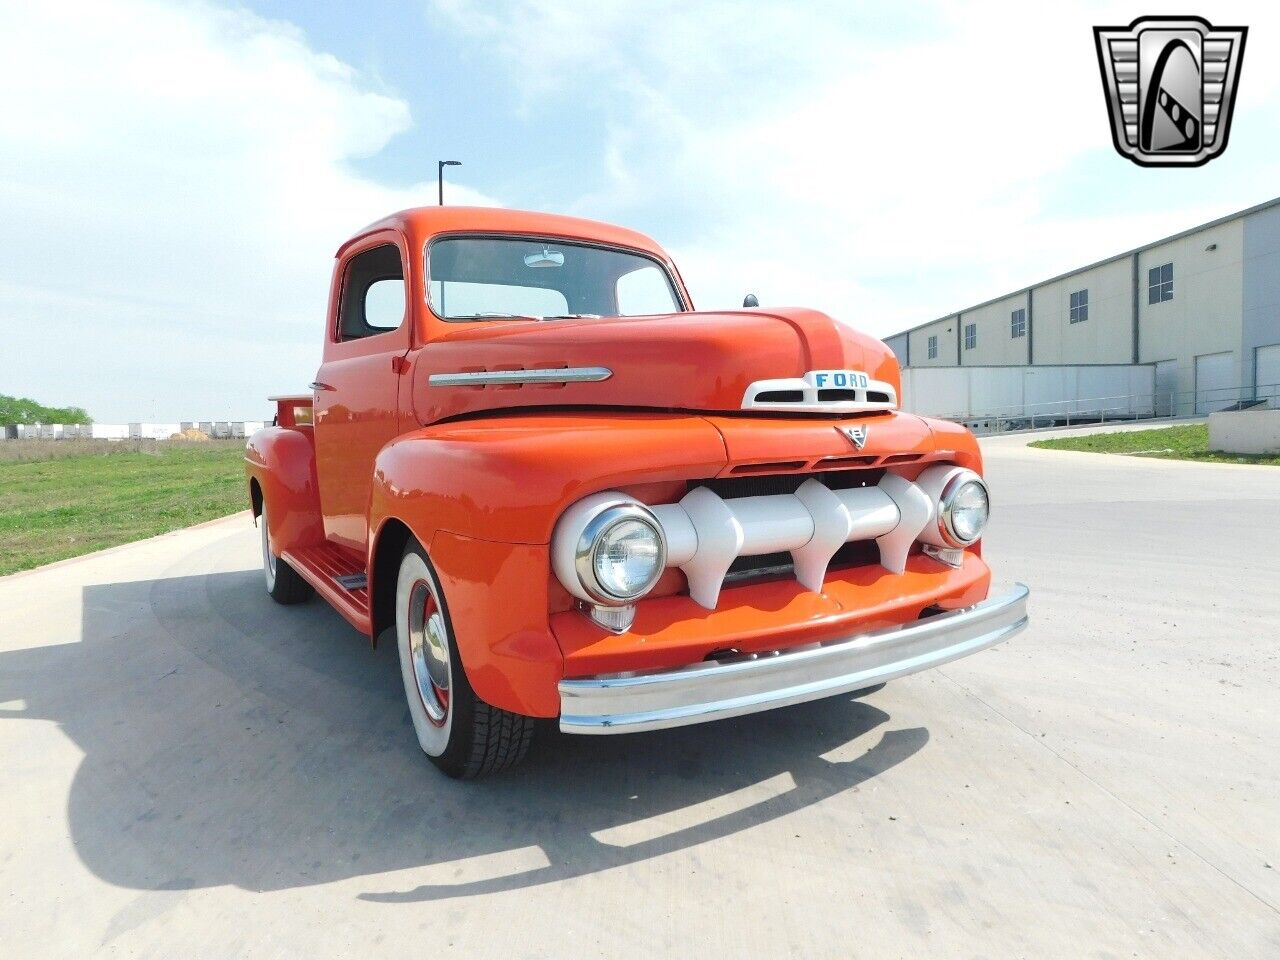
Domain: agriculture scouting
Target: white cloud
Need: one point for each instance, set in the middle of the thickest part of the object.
(884, 165)
(174, 179)
(173, 184)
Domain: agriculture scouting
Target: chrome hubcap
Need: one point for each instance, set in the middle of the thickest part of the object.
(429, 651)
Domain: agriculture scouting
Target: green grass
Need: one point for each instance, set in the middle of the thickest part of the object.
(60, 499)
(1187, 442)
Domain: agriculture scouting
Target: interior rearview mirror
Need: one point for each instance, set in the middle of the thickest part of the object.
(547, 258)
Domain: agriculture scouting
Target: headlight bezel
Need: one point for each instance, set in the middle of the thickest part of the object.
(946, 504)
(592, 538)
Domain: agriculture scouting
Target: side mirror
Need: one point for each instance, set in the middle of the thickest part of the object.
(750, 300)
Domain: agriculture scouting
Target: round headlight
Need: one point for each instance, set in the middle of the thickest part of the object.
(627, 558)
(964, 509)
(620, 554)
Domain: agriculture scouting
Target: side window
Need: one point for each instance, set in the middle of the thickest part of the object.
(1160, 284)
(933, 348)
(1018, 323)
(384, 304)
(643, 292)
(372, 294)
(1079, 306)
(970, 336)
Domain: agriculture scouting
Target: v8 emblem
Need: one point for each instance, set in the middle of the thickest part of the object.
(857, 435)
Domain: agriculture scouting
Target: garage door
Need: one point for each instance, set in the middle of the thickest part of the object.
(1215, 382)
(1166, 385)
(1267, 372)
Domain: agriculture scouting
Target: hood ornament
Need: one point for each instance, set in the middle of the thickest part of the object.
(857, 435)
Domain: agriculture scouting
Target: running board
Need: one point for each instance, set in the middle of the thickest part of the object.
(336, 575)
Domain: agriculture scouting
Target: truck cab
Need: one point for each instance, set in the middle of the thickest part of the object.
(563, 492)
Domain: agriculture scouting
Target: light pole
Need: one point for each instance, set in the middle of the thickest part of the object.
(440, 165)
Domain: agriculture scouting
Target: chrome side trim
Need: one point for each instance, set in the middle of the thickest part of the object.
(487, 378)
(714, 690)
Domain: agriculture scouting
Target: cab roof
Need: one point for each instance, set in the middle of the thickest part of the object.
(420, 224)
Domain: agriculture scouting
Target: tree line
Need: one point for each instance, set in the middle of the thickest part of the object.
(16, 410)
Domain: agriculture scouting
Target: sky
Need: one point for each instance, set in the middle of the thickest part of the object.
(175, 177)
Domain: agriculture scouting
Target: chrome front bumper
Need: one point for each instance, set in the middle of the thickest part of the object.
(655, 699)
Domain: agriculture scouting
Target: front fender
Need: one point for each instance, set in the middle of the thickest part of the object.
(509, 479)
(948, 435)
(483, 496)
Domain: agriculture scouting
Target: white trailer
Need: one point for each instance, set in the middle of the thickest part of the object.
(222, 429)
(996, 398)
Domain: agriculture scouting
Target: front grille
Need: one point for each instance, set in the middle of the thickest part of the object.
(778, 566)
(772, 524)
(781, 396)
(857, 553)
(837, 393)
(766, 566)
(771, 485)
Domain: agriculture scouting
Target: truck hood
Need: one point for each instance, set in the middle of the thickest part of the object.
(684, 361)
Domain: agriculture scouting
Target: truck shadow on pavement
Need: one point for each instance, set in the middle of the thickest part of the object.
(227, 740)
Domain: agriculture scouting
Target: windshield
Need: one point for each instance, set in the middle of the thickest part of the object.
(491, 278)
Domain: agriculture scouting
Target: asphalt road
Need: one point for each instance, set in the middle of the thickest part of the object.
(188, 770)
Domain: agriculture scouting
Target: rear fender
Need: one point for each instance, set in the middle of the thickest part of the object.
(281, 463)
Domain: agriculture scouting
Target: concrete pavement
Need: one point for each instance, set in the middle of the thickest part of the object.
(189, 770)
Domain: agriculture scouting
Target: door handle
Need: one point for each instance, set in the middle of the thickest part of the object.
(317, 385)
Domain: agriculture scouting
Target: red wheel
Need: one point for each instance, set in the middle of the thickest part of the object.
(429, 651)
(463, 735)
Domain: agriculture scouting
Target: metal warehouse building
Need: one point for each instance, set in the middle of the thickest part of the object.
(1201, 307)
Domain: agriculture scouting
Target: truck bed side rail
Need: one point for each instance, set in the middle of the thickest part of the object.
(293, 411)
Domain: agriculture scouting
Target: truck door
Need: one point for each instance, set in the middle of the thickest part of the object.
(356, 404)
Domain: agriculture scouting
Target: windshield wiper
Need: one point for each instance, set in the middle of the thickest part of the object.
(491, 316)
(523, 316)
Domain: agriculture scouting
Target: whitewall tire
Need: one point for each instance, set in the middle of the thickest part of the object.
(283, 582)
(464, 736)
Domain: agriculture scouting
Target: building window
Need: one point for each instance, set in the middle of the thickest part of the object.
(1080, 306)
(933, 348)
(970, 336)
(1018, 324)
(1160, 284)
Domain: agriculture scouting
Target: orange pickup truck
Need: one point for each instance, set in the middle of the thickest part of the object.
(564, 493)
